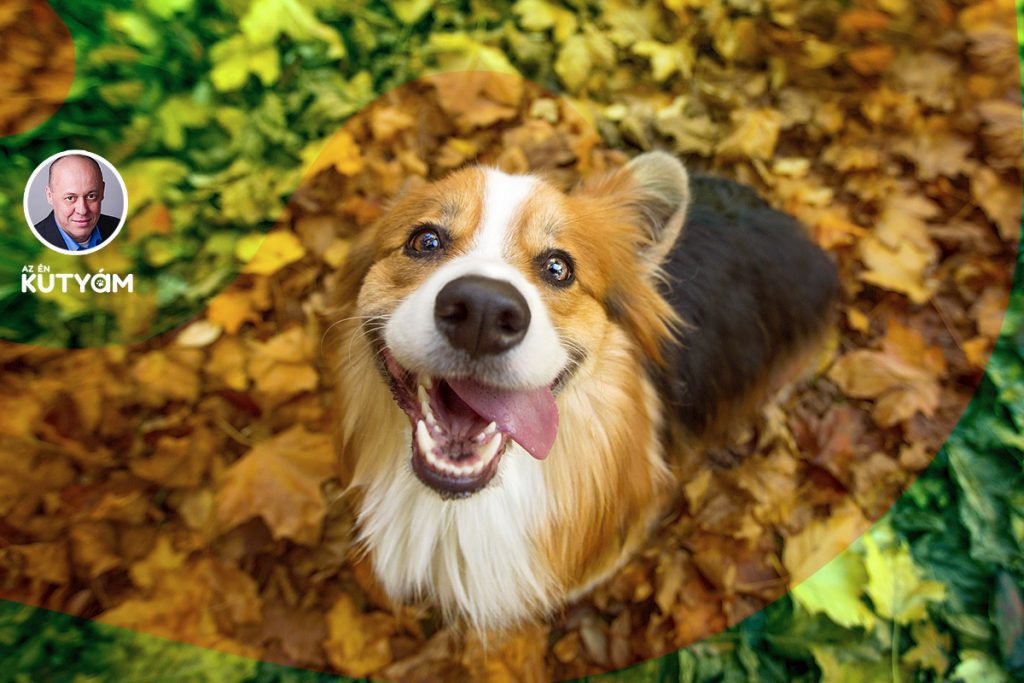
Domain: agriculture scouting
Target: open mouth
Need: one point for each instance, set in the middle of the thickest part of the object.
(461, 428)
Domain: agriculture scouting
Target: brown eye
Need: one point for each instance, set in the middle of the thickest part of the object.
(424, 242)
(557, 268)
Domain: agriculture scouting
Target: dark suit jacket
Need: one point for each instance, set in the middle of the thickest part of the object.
(47, 229)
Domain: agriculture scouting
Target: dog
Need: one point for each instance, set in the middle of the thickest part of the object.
(518, 368)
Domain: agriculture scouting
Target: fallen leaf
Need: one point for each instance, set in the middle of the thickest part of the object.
(821, 540)
(277, 250)
(279, 481)
(357, 644)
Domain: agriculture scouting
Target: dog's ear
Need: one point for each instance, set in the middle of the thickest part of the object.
(644, 204)
(655, 188)
(661, 197)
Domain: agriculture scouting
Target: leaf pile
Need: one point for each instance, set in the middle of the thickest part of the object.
(184, 486)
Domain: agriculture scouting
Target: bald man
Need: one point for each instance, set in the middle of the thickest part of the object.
(75, 191)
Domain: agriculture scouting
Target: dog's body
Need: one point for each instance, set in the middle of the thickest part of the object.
(516, 370)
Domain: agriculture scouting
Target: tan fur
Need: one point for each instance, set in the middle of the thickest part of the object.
(605, 475)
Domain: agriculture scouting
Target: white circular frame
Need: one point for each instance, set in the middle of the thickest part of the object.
(45, 165)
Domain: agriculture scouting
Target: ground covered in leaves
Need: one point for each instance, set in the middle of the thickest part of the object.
(184, 486)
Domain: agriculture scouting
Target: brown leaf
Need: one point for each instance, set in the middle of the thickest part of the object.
(163, 376)
(821, 540)
(871, 60)
(755, 135)
(903, 376)
(999, 199)
(178, 461)
(94, 548)
(39, 561)
(279, 481)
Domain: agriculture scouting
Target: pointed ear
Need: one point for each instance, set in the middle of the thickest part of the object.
(655, 188)
(661, 196)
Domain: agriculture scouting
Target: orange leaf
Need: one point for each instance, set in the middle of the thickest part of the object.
(871, 60)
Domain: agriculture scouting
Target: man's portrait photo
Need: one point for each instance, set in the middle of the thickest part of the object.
(75, 202)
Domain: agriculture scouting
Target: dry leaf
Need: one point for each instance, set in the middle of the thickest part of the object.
(279, 481)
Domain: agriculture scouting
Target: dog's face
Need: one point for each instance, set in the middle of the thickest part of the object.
(483, 295)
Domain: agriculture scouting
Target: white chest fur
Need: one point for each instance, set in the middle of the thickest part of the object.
(474, 556)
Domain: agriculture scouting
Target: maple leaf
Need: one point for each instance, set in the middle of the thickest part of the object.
(279, 481)
(236, 306)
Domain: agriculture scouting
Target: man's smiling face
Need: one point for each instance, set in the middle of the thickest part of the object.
(75, 192)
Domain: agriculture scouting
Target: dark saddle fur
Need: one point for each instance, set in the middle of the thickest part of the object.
(753, 289)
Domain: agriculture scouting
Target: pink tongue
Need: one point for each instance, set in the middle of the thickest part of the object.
(530, 417)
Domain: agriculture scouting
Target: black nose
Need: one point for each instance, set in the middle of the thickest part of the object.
(480, 315)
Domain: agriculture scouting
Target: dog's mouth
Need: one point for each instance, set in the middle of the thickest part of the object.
(461, 428)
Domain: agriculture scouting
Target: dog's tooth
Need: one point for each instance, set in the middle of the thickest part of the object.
(486, 433)
(490, 449)
(424, 440)
(426, 381)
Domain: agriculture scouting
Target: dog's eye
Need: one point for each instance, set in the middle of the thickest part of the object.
(557, 268)
(424, 241)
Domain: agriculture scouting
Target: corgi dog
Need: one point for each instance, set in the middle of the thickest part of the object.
(519, 368)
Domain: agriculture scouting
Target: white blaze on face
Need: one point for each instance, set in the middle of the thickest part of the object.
(476, 555)
(417, 344)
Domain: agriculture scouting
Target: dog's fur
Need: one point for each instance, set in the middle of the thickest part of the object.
(663, 329)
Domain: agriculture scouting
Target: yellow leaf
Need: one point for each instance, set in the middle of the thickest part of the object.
(573, 63)
(667, 59)
(162, 559)
(231, 309)
(836, 589)
(930, 649)
(895, 585)
(902, 268)
(340, 152)
(357, 644)
(278, 249)
(755, 135)
(538, 15)
(460, 52)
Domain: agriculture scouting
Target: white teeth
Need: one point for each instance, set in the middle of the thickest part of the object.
(489, 450)
(428, 413)
(486, 433)
(483, 457)
(424, 440)
(426, 381)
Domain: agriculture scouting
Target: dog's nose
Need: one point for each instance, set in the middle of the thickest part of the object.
(480, 315)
